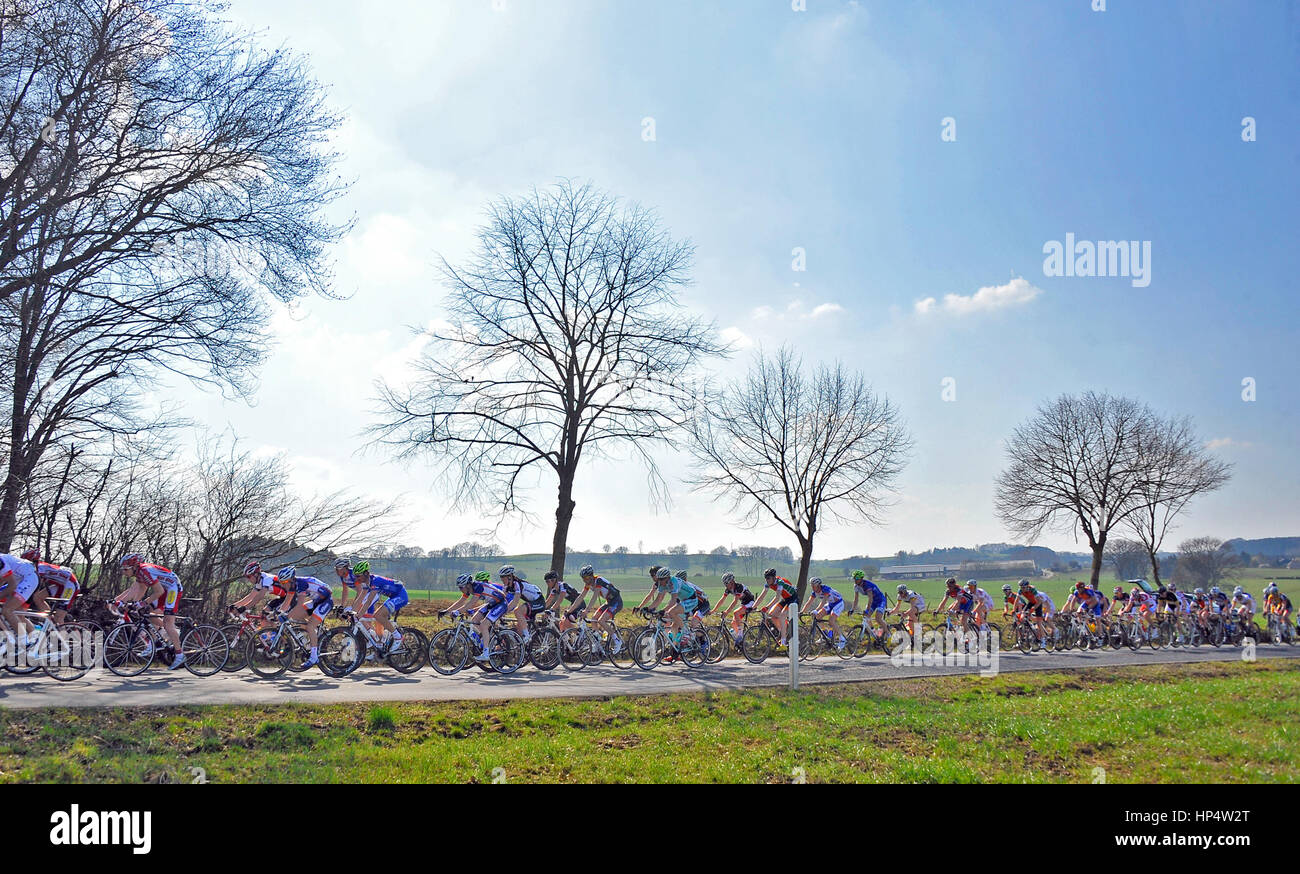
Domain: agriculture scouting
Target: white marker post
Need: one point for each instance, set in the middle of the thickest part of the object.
(793, 618)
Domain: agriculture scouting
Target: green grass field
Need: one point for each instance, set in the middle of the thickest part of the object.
(1211, 723)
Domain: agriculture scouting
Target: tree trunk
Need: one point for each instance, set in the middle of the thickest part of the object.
(1098, 548)
(563, 516)
(1155, 568)
(805, 560)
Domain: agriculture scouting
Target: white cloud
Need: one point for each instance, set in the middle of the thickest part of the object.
(1227, 443)
(794, 309)
(733, 336)
(991, 297)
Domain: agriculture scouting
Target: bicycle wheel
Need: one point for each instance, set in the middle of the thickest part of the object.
(544, 649)
(67, 652)
(620, 653)
(206, 649)
(237, 640)
(595, 650)
(269, 653)
(128, 650)
(406, 656)
(694, 647)
(857, 643)
(341, 652)
(647, 648)
(448, 651)
(1025, 639)
(507, 652)
(719, 644)
(757, 643)
(575, 649)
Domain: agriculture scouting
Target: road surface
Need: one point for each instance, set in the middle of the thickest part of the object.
(158, 688)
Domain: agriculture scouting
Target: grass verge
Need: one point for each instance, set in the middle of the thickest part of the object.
(1214, 722)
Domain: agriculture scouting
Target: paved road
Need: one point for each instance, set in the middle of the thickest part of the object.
(158, 689)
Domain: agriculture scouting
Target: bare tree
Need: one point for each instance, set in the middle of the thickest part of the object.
(1177, 470)
(1078, 465)
(1127, 557)
(129, 126)
(1206, 561)
(565, 342)
(797, 450)
(161, 176)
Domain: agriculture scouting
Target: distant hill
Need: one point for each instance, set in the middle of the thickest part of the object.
(1273, 547)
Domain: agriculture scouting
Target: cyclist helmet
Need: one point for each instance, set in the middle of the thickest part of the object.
(951, 583)
(341, 563)
(681, 575)
(1006, 587)
(663, 573)
(286, 573)
(507, 570)
(902, 589)
(252, 568)
(1080, 585)
(587, 571)
(972, 582)
(769, 573)
(728, 578)
(551, 575)
(654, 569)
(32, 555)
(1200, 591)
(1119, 590)
(1173, 587)
(131, 558)
(463, 580)
(1270, 589)
(815, 582)
(1024, 584)
(859, 575)
(1238, 590)
(361, 567)
(482, 577)
(1161, 587)
(1215, 590)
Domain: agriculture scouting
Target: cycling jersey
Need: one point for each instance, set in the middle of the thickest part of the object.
(1031, 596)
(348, 581)
(964, 600)
(984, 598)
(395, 595)
(834, 600)
(60, 581)
(151, 574)
(267, 581)
(605, 589)
(1141, 601)
(916, 599)
(570, 593)
(526, 592)
(19, 574)
(313, 587)
(875, 597)
(784, 589)
(1278, 603)
(1245, 599)
(741, 593)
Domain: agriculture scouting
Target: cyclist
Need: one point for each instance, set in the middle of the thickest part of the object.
(831, 605)
(1277, 604)
(1042, 610)
(1166, 599)
(910, 604)
(1089, 602)
(1219, 600)
(263, 584)
(473, 590)
(1010, 600)
(962, 602)
(57, 582)
(983, 603)
(558, 591)
(310, 601)
(18, 581)
(347, 579)
(681, 575)
(876, 601)
(741, 603)
(605, 613)
(496, 601)
(1202, 607)
(683, 597)
(394, 596)
(528, 597)
(1143, 605)
(160, 586)
(1118, 602)
(1243, 604)
(784, 594)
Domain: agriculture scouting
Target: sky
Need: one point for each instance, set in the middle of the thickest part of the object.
(916, 160)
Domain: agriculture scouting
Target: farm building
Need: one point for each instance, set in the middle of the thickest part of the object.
(915, 571)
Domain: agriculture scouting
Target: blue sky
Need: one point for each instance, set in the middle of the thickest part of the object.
(820, 129)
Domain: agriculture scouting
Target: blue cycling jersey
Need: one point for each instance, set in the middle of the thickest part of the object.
(831, 596)
(866, 587)
(312, 585)
(386, 586)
